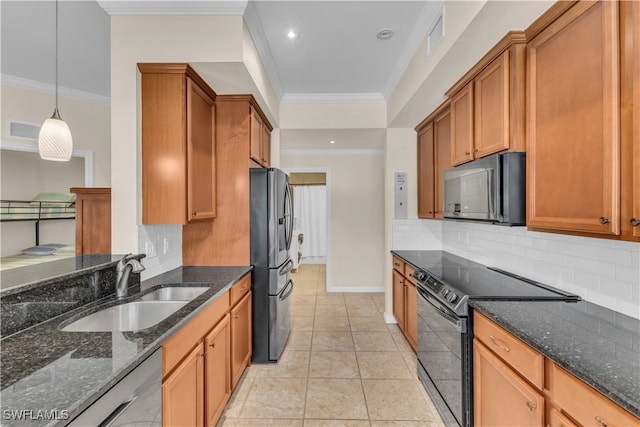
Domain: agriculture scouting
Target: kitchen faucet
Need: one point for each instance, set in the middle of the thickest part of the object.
(124, 267)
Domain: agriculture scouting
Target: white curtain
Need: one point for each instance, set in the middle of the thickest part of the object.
(310, 213)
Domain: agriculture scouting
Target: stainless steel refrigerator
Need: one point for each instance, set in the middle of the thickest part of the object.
(271, 234)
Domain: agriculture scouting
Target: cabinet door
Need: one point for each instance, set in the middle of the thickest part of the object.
(501, 397)
(217, 371)
(398, 299)
(266, 147)
(442, 148)
(183, 391)
(411, 298)
(573, 154)
(556, 419)
(93, 220)
(425, 172)
(240, 338)
(256, 137)
(635, 215)
(201, 183)
(491, 108)
(462, 125)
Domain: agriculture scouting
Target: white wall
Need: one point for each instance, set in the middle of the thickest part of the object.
(356, 246)
(134, 39)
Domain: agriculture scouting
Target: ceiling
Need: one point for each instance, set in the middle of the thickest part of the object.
(335, 56)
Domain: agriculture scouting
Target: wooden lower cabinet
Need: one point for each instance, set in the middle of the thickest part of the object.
(501, 396)
(398, 299)
(511, 388)
(240, 338)
(405, 300)
(183, 392)
(217, 370)
(203, 361)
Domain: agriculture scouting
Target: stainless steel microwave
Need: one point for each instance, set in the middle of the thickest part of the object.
(490, 189)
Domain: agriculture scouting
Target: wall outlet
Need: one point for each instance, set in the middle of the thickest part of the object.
(150, 250)
(165, 246)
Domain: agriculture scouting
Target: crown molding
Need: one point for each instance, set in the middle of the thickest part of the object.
(333, 98)
(173, 7)
(333, 152)
(254, 26)
(19, 82)
(426, 20)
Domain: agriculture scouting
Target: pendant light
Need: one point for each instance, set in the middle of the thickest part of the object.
(54, 140)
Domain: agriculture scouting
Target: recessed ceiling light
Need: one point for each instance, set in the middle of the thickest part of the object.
(292, 34)
(385, 33)
(332, 142)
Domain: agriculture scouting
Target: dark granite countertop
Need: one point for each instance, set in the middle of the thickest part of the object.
(597, 345)
(44, 368)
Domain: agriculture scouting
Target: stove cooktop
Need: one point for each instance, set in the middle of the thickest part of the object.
(454, 280)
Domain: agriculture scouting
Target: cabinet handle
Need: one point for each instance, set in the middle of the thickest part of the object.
(476, 150)
(466, 153)
(604, 220)
(212, 345)
(601, 421)
(194, 213)
(498, 343)
(635, 222)
(235, 316)
(532, 406)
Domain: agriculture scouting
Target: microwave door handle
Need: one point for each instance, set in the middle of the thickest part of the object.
(491, 197)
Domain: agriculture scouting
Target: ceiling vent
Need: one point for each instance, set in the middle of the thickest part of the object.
(23, 130)
(435, 35)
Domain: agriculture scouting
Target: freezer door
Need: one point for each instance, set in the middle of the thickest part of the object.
(279, 321)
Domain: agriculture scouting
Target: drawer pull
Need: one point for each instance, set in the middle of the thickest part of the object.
(603, 220)
(635, 222)
(498, 343)
(532, 406)
(601, 421)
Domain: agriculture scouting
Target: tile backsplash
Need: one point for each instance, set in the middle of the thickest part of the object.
(604, 272)
(163, 246)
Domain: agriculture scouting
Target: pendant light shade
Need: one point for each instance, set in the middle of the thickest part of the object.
(54, 140)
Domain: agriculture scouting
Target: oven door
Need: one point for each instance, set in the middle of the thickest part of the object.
(444, 359)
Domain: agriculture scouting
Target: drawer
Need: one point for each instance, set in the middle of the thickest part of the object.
(585, 404)
(181, 343)
(398, 264)
(522, 358)
(408, 272)
(240, 289)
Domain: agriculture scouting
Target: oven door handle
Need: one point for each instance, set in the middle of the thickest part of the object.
(460, 324)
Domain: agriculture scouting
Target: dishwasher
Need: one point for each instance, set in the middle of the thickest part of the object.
(134, 400)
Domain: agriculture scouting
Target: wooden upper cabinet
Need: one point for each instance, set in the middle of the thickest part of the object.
(260, 139)
(462, 125)
(178, 145)
(426, 174)
(434, 157)
(573, 121)
(442, 149)
(93, 220)
(632, 10)
(491, 113)
(488, 104)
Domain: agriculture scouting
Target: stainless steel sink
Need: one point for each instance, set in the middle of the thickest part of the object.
(174, 293)
(133, 316)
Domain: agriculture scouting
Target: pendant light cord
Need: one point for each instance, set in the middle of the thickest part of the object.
(56, 55)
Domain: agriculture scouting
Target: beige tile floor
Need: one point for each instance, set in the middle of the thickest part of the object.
(342, 366)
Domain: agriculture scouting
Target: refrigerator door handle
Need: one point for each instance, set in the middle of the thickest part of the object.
(285, 294)
(288, 212)
(286, 268)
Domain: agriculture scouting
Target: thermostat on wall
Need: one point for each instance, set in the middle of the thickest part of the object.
(400, 195)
